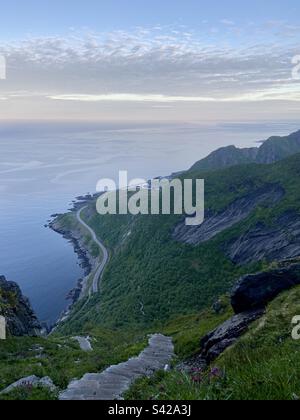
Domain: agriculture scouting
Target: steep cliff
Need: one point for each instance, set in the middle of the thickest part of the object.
(20, 317)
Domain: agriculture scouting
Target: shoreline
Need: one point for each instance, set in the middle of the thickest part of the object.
(86, 261)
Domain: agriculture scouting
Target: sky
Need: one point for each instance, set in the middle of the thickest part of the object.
(138, 60)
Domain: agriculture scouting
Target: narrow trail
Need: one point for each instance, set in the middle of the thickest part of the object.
(116, 380)
(99, 272)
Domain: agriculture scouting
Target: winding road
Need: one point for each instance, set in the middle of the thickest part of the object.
(99, 272)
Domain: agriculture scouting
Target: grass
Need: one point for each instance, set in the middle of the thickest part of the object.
(61, 359)
(263, 365)
(187, 330)
(27, 393)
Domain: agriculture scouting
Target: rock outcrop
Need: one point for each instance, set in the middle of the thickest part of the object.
(31, 381)
(257, 290)
(227, 334)
(20, 317)
(249, 298)
(236, 212)
(270, 243)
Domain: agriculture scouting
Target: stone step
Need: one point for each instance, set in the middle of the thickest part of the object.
(114, 381)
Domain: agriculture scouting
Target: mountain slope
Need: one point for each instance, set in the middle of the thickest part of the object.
(158, 280)
(272, 150)
(154, 276)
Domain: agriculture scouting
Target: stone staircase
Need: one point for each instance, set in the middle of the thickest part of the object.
(116, 380)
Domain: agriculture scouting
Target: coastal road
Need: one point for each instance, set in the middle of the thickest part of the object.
(100, 269)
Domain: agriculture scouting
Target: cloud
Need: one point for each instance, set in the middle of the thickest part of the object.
(279, 94)
(227, 22)
(154, 65)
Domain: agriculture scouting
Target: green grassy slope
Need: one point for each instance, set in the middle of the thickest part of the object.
(156, 284)
(152, 278)
(60, 358)
(263, 365)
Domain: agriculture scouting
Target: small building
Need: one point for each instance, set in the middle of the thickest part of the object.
(2, 328)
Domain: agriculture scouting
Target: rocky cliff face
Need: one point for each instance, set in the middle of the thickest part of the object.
(257, 290)
(20, 317)
(239, 210)
(270, 243)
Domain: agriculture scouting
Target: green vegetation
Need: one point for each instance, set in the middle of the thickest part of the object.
(150, 270)
(61, 359)
(28, 393)
(7, 301)
(154, 283)
(187, 330)
(68, 222)
(263, 365)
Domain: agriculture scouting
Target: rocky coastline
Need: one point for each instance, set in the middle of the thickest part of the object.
(86, 261)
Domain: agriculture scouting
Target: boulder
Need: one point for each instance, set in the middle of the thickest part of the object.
(31, 381)
(257, 290)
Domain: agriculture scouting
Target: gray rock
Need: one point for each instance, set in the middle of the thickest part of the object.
(84, 343)
(214, 344)
(215, 351)
(263, 242)
(216, 223)
(20, 317)
(256, 290)
(31, 381)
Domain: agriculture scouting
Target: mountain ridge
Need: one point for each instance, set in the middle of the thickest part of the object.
(272, 150)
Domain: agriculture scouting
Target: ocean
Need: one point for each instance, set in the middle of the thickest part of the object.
(45, 165)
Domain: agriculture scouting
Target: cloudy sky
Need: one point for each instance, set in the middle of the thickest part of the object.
(150, 60)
